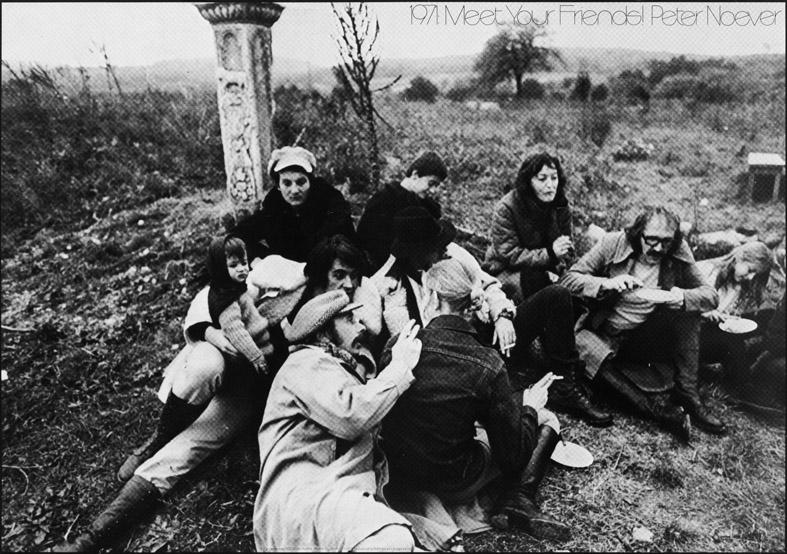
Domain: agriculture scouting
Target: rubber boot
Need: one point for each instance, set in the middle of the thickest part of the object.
(568, 396)
(518, 509)
(136, 496)
(176, 415)
(668, 415)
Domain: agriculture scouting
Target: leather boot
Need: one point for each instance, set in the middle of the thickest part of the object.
(134, 498)
(176, 415)
(567, 395)
(668, 415)
(518, 509)
(700, 414)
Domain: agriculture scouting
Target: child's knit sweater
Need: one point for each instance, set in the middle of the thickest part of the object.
(241, 321)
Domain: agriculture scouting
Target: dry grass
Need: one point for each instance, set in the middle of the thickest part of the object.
(104, 305)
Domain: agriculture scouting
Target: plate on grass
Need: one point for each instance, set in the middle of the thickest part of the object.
(570, 454)
(738, 325)
(657, 296)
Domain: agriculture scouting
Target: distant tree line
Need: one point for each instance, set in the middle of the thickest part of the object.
(513, 53)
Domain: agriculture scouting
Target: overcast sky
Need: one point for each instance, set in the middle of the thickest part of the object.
(144, 33)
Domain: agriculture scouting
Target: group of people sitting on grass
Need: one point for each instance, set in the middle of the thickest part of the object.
(395, 378)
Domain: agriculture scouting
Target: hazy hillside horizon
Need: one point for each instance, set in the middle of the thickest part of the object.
(600, 63)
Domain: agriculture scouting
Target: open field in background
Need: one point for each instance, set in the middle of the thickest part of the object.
(113, 204)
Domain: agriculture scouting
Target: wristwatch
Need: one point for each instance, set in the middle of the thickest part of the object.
(507, 313)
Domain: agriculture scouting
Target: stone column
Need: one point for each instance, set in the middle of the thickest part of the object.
(243, 47)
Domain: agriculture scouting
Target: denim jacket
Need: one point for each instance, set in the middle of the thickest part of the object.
(428, 435)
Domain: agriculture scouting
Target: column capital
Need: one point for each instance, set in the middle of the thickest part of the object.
(259, 13)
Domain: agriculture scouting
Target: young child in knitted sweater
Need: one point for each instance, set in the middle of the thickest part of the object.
(231, 307)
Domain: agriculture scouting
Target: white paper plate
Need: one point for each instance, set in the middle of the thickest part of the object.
(738, 325)
(654, 295)
(570, 454)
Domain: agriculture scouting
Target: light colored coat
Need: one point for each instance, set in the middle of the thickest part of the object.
(321, 469)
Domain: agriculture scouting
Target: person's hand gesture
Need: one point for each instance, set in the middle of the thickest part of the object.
(504, 336)
(715, 316)
(677, 300)
(562, 246)
(536, 396)
(621, 283)
(407, 349)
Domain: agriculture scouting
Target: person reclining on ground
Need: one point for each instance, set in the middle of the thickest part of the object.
(205, 406)
(321, 470)
(420, 241)
(621, 325)
(430, 435)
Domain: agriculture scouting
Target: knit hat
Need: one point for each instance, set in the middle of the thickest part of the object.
(316, 313)
(290, 156)
(416, 230)
(429, 163)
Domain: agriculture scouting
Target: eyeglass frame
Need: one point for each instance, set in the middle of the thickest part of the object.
(653, 241)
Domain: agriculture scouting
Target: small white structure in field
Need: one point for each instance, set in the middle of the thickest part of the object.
(765, 175)
(489, 107)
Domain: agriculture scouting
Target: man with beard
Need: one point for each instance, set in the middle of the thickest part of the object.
(321, 467)
(624, 323)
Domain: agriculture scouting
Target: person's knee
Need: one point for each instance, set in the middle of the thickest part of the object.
(390, 538)
(558, 298)
(202, 371)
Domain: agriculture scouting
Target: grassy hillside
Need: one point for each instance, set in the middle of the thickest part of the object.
(112, 204)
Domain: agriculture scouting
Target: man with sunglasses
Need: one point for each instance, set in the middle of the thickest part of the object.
(644, 295)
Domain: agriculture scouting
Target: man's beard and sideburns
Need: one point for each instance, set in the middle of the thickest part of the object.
(359, 346)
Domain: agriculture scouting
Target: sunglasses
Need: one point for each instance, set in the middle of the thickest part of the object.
(653, 241)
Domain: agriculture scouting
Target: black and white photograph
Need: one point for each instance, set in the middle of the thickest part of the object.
(455, 276)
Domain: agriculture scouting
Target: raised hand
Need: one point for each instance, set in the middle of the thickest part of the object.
(562, 246)
(407, 349)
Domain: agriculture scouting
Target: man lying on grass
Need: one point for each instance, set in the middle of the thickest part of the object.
(321, 468)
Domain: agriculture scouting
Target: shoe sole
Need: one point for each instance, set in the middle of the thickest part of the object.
(537, 527)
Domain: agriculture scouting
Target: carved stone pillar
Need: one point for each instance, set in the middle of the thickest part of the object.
(243, 47)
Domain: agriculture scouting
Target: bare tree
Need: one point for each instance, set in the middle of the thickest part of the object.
(357, 34)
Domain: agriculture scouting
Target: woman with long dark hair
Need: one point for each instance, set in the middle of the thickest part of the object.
(531, 230)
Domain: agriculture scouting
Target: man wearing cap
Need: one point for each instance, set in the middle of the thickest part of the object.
(375, 228)
(298, 212)
(430, 435)
(420, 241)
(321, 469)
(619, 323)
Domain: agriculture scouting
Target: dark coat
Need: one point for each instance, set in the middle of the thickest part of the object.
(278, 228)
(375, 228)
(523, 231)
